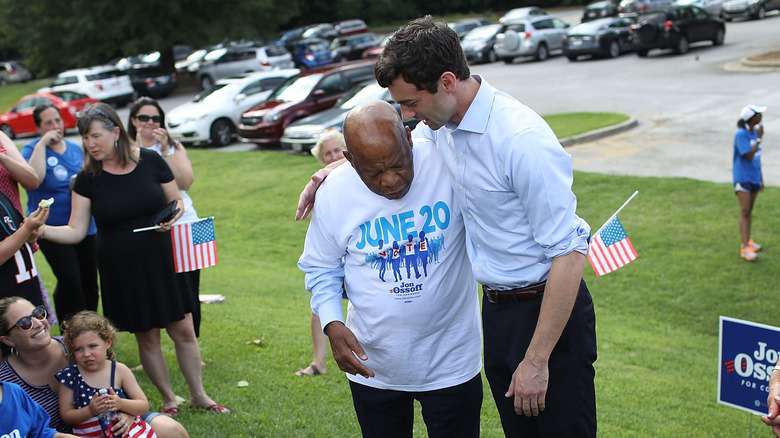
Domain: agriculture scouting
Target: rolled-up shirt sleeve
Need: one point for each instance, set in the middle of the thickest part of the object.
(322, 262)
(541, 176)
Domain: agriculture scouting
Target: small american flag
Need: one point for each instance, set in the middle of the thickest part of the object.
(610, 249)
(194, 245)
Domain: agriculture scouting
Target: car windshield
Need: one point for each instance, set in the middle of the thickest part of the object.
(316, 46)
(482, 32)
(68, 96)
(361, 94)
(590, 26)
(214, 54)
(217, 93)
(296, 89)
(197, 55)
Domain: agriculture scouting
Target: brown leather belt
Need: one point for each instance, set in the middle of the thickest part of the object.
(517, 295)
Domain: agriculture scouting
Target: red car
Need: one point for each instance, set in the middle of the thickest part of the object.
(19, 119)
(302, 95)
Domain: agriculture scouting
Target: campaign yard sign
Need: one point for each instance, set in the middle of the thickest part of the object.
(747, 353)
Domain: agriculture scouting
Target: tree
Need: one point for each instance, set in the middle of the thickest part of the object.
(53, 35)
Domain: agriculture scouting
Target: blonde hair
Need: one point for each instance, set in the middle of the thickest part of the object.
(86, 321)
(324, 138)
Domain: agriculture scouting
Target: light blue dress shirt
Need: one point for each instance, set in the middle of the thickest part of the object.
(512, 179)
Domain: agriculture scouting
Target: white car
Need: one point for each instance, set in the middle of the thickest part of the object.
(104, 83)
(213, 115)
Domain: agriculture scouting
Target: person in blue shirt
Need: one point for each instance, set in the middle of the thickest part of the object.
(748, 180)
(56, 160)
(20, 416)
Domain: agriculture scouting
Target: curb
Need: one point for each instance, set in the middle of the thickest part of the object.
(599, 133)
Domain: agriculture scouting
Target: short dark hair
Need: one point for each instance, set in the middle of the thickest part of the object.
(420, 52)
(41, 107)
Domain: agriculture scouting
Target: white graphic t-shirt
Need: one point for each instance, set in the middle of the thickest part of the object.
(413, 301)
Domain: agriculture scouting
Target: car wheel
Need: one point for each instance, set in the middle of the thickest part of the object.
(682, 45)
(221, 133)
(641, 52)
(760, 13)
(718, 38)
(541, 52)
(206, 82)
(7, 131)
(3, 83)
(509, 60)
(614, 49)
(491, 56)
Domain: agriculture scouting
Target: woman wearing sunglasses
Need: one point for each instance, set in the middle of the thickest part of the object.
(32, 357)
(18, 274)
(124, 188)
(146, 124)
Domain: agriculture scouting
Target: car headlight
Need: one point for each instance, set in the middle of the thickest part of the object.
(270, 118)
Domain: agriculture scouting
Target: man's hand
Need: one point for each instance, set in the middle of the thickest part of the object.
(346, 347)
(529, 388)
(306, 200)
(51, 138)
(773, 401)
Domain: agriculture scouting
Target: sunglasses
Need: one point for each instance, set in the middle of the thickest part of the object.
(26, 322)
(145, 118)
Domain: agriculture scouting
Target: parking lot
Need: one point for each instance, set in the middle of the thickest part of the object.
(686, 105)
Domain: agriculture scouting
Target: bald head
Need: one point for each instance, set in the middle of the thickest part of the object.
(379, 148)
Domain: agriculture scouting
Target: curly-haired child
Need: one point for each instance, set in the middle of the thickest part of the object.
(89, 339)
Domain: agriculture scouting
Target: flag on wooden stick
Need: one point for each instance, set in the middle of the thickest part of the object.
(194, 245)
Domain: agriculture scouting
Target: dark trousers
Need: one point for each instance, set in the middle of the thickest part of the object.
(570, 409)
(75, 267)
(448, 413)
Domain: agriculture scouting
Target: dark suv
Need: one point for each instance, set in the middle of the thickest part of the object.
(675, 27)
(307, 93)
(350, 48)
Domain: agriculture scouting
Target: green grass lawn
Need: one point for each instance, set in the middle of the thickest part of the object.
(657, 317)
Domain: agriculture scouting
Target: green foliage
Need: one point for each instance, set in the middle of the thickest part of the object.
(657, 317)
(55, 35)
(569, 124)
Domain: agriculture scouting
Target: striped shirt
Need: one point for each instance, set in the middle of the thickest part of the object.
(43, 395)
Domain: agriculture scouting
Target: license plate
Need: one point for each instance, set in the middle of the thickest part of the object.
(297, 147)
(575, 43)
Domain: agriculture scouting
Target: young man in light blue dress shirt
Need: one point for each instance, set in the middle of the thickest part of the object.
(527, 247)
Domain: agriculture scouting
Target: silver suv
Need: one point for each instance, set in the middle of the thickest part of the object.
(533, 36)
(221, 63)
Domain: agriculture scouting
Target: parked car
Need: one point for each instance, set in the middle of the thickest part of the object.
(518, 13)
(18, 120)
(326, 31)
(632, 8)
(309, 53)
(462, 27)
(604, 38)
(213, 115)
(535, 36)
(375, 51)
(104, 83)
(305, 94)
(478, 44)
(350, 48)
(152, 81)
(350, 27)
(755, 9)
(12, 72)
(302, 134)
(224, 62)
(192, 62)
(675, 28)
(600, 9)
(714, 7)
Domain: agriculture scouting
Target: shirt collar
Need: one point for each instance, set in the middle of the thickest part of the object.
(477, 116)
